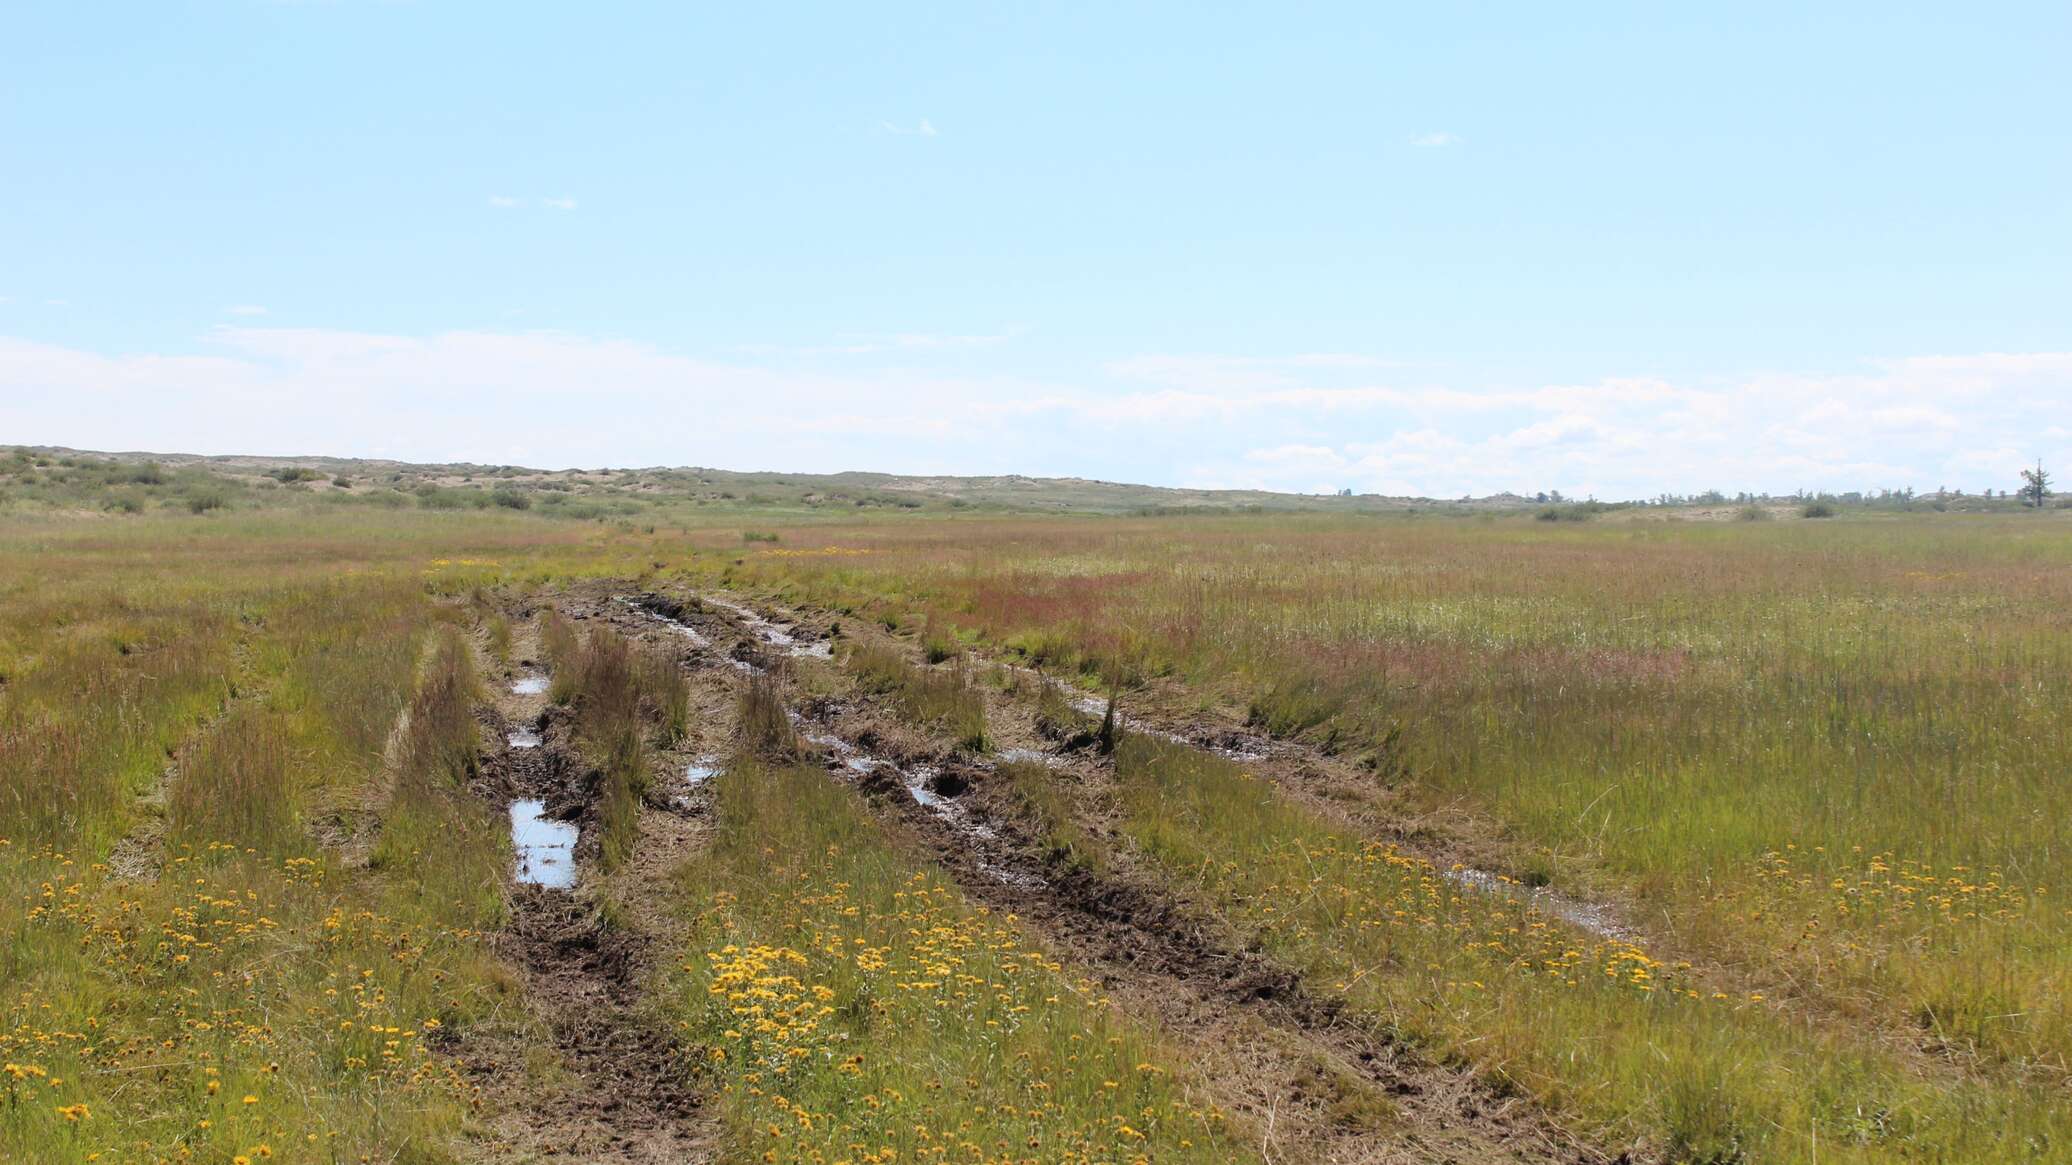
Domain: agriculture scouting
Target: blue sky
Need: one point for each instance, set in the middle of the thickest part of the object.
(1439, 250)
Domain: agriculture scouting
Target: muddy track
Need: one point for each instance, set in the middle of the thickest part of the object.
(1314, 1082)
(618, 1087)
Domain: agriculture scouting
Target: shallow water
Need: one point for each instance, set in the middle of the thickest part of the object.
(772, 634)
(921, 794)
(522, 738)
(546, 848)
(529, 685)
(1586, 916)
(689, 632)
(1029, 756)
(701, 770)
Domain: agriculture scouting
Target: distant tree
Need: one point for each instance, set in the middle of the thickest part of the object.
(2035, 486)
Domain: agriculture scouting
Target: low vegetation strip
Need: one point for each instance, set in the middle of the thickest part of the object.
(848, 1005)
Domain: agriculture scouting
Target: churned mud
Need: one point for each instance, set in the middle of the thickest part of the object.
(592, 1072)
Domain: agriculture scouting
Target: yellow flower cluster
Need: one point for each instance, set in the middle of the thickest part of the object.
(919, 1029)
(206, 978)
(1399, 904)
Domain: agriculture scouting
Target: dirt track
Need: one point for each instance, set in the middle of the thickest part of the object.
(1311, 1083)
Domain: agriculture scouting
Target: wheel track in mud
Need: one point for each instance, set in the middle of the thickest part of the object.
(1294, 1049)
(622, 1092)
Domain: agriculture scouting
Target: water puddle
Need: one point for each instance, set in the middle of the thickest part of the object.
(522, 738)
(546, 848)
(1029, 756)
(701, 770)
(916, 783)
(529, 685)
(772, 634)
(682, 628)
(1586, 916)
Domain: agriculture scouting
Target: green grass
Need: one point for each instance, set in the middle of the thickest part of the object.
(1585, 1023)
(1644, 709)
(929, 697)
(232, 987)
(848, 1005)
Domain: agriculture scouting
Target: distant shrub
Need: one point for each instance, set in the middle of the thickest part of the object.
(202, 503)
(510, 499)
(289, 474)
(1572, 511)
(758, 536)
(125, 505)
(149, 473)
(1752, 514)
(1816, 510)
(342, 482)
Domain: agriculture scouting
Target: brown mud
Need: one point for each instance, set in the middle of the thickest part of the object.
(613, 1085)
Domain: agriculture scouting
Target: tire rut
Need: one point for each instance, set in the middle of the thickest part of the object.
(619, 1088)
(1318, 1083)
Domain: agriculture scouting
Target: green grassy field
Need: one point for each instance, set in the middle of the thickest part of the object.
(1817, 766)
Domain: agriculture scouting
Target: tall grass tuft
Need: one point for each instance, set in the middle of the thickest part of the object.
(234, 786)
(928, 697)
(666, 694)
(763, 724)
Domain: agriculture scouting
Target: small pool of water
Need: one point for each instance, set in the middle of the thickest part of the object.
(546, 848)
(522, 738)
(529, 685)
(917, 786)
(701, 770)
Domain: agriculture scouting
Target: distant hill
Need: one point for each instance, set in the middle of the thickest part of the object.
(49, 478)
(60, 477)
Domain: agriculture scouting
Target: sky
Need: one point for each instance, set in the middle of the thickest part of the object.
(1433, 250)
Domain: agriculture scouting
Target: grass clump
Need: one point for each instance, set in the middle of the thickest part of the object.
(763, 724)
(1036, 790)
(940, 699)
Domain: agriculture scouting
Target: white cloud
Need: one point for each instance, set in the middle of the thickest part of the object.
(559, 203)
(502, 201)
(245, 309)
(1435, 140)
(924, 129)
(1304, 422)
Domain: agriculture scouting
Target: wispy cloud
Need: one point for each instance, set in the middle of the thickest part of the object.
(245, 309)
(1435, 140)
(923, 129)
(558, 203)
(1303, 422)
(503, 201)
(508, 202)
